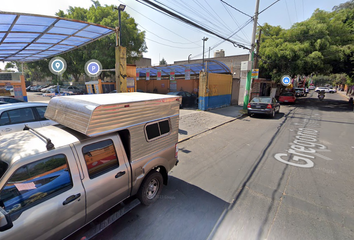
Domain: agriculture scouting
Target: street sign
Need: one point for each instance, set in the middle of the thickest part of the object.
(158, 75)
(93, 68)
(286, 80)
(147, 75)
(255, 73)
(57, 65)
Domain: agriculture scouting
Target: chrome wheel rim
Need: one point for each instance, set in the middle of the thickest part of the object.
(152, 189)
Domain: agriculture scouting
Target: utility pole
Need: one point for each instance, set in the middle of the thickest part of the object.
(204, 39)
(249, 74)
(255, 65)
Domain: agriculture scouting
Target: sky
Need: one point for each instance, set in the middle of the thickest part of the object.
(173, 40)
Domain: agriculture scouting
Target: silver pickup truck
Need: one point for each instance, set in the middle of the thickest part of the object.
(107, 147)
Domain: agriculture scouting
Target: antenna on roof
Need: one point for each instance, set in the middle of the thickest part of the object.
(50, 145)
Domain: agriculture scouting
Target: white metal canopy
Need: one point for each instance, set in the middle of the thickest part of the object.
(28, 37)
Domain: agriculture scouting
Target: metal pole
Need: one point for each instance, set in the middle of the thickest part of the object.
(120, 25)
(249, 74)
(203, 52)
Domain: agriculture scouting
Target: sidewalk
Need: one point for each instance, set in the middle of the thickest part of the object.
(344, 94)
(193, 122)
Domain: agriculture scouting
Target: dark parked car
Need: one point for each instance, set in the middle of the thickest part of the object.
(263, 105)
(188, 99)
(9, 99)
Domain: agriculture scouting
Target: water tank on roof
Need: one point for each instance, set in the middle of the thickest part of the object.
(219, 53)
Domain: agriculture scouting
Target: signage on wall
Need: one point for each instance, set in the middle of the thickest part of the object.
(130, 82)
(137, 75)
(159, 75)
(147, 74)
(187, 73)
(172, 75)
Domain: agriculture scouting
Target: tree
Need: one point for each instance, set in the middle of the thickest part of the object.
(163, 62)
(322, 44)
(104, 49)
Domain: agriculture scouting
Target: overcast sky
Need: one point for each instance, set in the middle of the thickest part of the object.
(173, 40)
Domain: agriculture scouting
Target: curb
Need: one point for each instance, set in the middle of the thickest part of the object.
(224, 123)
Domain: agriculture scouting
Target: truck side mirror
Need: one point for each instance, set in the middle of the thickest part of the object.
(5, 220)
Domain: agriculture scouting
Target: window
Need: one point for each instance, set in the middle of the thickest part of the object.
(157, 129)
(41, 112)
(20, 115)
(36, 182)
(4, 119)
(100, 157)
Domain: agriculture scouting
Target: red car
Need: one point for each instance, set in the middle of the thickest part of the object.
(287, 97)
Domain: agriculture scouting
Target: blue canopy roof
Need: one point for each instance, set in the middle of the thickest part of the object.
(212, 66)
(27, 37)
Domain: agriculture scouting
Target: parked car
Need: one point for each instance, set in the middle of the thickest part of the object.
(36, 88)
(14, 117)
(332, 90)
(188, 99)
(287, 97)
(9, 88)
(9, 99)
(300, 92)
(2, 102)
(47, 89)
(263, 105)
(319, 89)
(72, 90)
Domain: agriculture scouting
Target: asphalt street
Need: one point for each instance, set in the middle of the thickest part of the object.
(258, 178)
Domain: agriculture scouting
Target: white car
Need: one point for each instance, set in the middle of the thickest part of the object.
(47, 89)
(325, 89)
(14, 116)
(332, 90)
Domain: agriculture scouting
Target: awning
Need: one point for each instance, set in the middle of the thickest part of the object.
(211, 66)
(28, 37)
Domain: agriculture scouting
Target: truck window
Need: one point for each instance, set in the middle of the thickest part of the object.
(36, 182)
(100, 157)
(157, 129)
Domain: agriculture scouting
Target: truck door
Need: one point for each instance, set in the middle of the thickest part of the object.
(106, 173)
(44, 197)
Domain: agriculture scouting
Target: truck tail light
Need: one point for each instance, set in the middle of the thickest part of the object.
(176, 150)
(269, 106)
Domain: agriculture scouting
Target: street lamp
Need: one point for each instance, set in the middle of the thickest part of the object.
(120, 8)
(204, 39)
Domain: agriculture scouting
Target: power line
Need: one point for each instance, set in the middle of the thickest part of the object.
(268, 6)
(161, 25)
(172, 46)
(174, 15)
(236, 9)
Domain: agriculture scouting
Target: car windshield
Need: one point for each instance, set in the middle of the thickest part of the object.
(3, 168)
(287, 94)
(261, 100)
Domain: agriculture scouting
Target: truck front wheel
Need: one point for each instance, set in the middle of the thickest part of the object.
(150, 189)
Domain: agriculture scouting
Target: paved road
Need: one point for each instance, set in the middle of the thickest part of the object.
(258, 178)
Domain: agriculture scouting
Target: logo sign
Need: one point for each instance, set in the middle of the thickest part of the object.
(286, 80)
(159, 75)
(187, 73)
(137, 75)
(147, 74)
(172, 75)
(93, 68)
(255, 73)
(130, 82)
(57, 65)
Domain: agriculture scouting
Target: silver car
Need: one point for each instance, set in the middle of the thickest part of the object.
(14, 116)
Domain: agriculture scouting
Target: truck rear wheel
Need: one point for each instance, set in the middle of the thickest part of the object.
(150, 189)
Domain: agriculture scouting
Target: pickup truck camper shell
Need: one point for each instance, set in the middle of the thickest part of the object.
(106, 113)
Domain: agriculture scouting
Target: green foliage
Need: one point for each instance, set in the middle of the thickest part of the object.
(102, 50)
(322, 44)
(163, 62)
